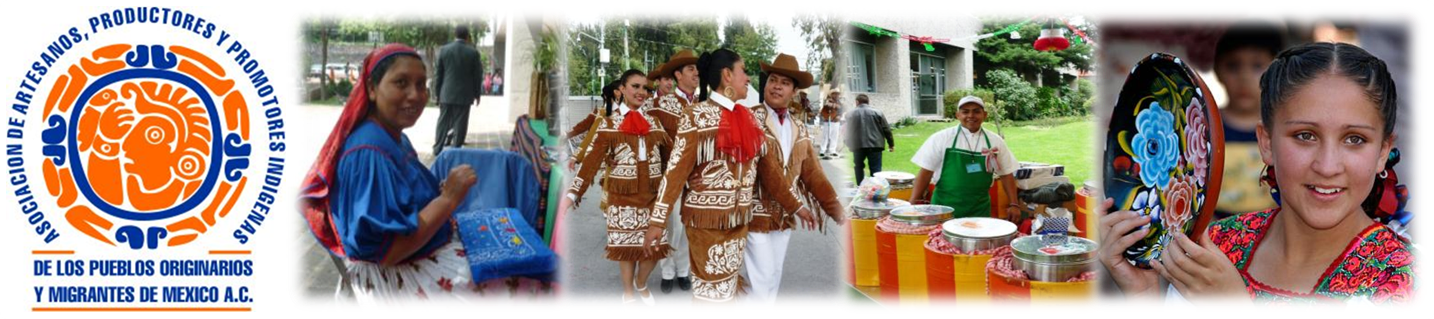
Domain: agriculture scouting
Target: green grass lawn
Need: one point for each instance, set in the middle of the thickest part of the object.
(1065, 141)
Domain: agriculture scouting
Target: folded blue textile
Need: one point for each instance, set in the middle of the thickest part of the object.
(499, 244)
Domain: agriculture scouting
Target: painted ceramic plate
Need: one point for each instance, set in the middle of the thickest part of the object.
(1164, 152)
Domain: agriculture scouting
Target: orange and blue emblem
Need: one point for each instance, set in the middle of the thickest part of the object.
(145, 145)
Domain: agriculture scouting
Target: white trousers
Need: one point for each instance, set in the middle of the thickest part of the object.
(676, 264)
(766, 252)
(831, 138)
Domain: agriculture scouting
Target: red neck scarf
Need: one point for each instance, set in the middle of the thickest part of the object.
(314, 197)
(634, 124)
(738, 135)
(781, 115)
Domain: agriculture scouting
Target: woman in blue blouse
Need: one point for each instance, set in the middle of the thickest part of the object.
(369, 199)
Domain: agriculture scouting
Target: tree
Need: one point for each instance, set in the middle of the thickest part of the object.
(650, 40)
(823, 35)
(736, 26)
(651, 36)
(696, 33)
(1019, 55)
(755, 43)
(583, 61)
(429, 30)
(321, 30)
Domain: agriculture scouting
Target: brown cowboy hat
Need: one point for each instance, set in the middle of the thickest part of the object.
(785, 64)
(655, 74)
(677, 61)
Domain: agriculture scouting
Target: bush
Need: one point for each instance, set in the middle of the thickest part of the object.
(1086, 88)
(904, 122)
(1048, 103)
(341, 88)
(1016, 96)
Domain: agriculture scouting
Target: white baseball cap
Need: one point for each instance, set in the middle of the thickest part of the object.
(971, 99)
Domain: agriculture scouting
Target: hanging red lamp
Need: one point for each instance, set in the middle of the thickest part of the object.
(1052, 39)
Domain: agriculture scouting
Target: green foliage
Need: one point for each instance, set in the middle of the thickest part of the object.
(1017, 98)
(904, 122)
(545, 52)
(1048, 103)
(736, 26)
(341, 88)
(756, 46)
(822, 33)
(1019, 55)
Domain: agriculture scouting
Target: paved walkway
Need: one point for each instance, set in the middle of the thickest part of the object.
(813, 270)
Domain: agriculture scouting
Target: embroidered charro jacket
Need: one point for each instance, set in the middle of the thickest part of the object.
(802, 169)
(718, 188)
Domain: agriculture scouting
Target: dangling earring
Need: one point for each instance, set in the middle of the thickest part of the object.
(727, 92)
(1267, 177)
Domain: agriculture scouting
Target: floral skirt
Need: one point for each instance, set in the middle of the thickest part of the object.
(626, 227)
(443, 275)
(717, 259)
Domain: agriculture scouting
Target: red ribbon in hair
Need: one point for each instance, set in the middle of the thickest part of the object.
(634, 124)
(738, 135)
(314, 197)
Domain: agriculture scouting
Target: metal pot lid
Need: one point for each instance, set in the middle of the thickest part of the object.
(923, 214)
(1054, 249)
(896, 177)
(978, 228)
(888, 205)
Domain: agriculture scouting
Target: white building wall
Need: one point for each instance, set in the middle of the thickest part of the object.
(893, 94)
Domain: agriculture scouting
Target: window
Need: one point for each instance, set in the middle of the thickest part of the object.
(861, 73)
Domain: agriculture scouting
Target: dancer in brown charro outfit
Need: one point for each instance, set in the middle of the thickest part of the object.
(771, 226)
(719, 156)
(668, 108)
(627, 142)
(831, 116)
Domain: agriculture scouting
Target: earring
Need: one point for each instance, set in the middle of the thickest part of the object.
(727, 92)
(1268, 178)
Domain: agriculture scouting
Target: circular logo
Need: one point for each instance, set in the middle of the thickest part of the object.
(145, 144)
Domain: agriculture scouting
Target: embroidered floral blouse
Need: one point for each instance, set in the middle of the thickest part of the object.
(1377, 265)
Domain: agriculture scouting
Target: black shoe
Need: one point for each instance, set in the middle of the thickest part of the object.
(667, 286)
(684, 283)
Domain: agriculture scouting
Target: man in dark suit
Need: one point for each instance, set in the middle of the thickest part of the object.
(458, 83)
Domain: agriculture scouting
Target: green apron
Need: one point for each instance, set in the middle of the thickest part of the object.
(965, 184)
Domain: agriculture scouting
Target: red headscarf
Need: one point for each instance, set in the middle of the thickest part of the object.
(314, 198)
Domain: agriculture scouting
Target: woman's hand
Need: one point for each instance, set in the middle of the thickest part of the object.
(1013, 214)
(808, 221)
(459, 180)
(1133, 281)
(653, 236)
(1200, 272)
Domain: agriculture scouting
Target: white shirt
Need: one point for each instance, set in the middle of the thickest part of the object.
(684, 96)
(933, 151)
(722, 101)
(641, 143)
(783, 131)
